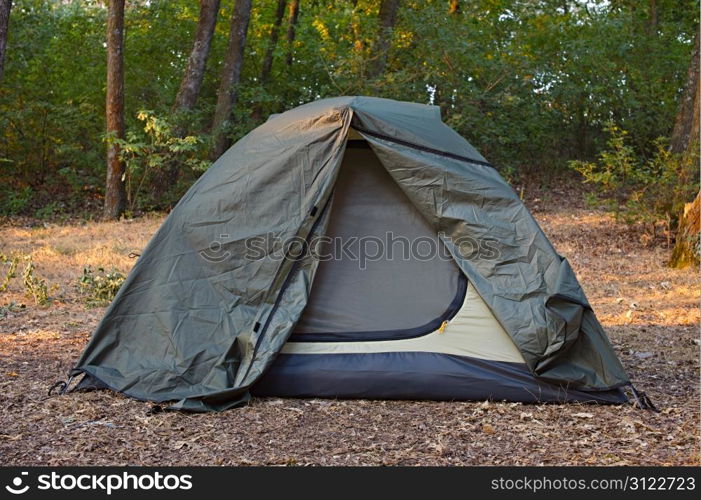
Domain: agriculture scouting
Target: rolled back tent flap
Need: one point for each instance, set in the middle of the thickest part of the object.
(199, 322)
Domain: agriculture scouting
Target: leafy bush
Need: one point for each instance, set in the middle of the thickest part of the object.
(11, 269)
(13, 201)
(35, 286)
(50, 210)
(635, 189)
(100, 287)
(155, 159)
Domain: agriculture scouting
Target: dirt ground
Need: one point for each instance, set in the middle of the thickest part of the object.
(650, 312)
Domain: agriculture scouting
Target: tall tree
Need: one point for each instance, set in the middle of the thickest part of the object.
(5, 7)
(686, 125)
(267, 66)
(272, 43)
(685, 141)
(230, 75)
(115, 194)
(191, 83)
(292, 16)
(388, 18)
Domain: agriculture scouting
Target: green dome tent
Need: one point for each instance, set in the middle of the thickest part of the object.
(461, 297)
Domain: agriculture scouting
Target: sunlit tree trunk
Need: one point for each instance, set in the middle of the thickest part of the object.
(685, 141)
(230, 75)
(5, 7)
(115, 195)
(272, 43)
(388, 19)
(194, 72)
(293, 15)
(686, 125)
(267, 66)
(191, 84)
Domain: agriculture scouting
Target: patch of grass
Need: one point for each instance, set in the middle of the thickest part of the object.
(10, 308)
(120, 249)
(65, 250)
(100, 286)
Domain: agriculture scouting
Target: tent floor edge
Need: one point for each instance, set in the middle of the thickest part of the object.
(415, 376)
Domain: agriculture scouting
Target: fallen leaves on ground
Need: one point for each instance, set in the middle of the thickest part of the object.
(650, 312)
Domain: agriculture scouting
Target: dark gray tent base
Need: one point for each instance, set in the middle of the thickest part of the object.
(415, 375)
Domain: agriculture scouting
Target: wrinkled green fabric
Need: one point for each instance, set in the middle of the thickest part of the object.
(198, 322)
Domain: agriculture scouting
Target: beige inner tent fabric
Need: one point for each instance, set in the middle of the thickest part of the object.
(473, 332)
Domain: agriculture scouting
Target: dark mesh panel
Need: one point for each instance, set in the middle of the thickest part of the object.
(393, 295)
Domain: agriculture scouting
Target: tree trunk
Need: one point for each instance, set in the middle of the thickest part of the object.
(686, 248)
(269, 53)
(230, 75)
(686, 126)
(5, 7)
(653, 18)
(194, 73)
(293, 15)
(115, 195)
(272, 43)
(190, 86)
(685, 141)
(388, 18)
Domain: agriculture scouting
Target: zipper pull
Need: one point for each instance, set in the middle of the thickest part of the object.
(443, 327)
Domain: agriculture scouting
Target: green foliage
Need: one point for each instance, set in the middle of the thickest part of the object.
(10, 308)
(10, 273)
(638, 189)
(50, 210)
(100, 287)
(34, 285)
(530, 83)
(152, 159)
(14, 201)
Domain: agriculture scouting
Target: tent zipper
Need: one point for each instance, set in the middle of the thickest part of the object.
(293, 269)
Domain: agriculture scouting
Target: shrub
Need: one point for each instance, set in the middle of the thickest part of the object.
(11, 269)
(14, 201)
(155, 158)
(100, 287)
(635, 189)
(35, 286)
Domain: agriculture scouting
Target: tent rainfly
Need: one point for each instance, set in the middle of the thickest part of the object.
(352, 247)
